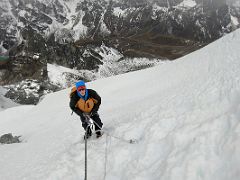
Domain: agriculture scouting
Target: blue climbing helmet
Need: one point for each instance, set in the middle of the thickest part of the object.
(81, 85)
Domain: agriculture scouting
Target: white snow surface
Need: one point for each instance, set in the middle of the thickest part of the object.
(2, 49)
(187, 3)
(184, 115)
(5, 102)
(118, 12)
(234, 20)
(57, 74)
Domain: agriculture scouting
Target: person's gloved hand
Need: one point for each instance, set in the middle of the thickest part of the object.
(86, 116)
(89, 131)
(93, 113)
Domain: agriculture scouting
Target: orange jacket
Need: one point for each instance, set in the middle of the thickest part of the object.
(92, 103)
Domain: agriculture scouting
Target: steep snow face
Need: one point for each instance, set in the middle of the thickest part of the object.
(184, 115)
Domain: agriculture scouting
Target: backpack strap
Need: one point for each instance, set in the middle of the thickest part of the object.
(73, 90)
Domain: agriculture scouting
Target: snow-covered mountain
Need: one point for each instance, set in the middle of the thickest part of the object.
(184, 115)
(71, 20)
(80, 34)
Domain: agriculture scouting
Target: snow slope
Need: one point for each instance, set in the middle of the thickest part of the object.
(184, 114)
(5, 102)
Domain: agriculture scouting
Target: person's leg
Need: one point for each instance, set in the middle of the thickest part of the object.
(84, 125)
(98, 123)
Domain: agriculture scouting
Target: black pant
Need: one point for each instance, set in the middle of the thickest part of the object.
(96, 120)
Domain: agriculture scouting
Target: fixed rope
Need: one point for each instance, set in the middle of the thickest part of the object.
(86, 152)
(90, 126)
(131, 141)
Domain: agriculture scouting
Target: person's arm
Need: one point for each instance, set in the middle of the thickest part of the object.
(95, 96)
(73, 101)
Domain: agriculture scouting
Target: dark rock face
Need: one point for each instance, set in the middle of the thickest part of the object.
(29, 91)
(9, 139)
(34, 33)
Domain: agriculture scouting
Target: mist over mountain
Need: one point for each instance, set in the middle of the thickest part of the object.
(87, 35)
